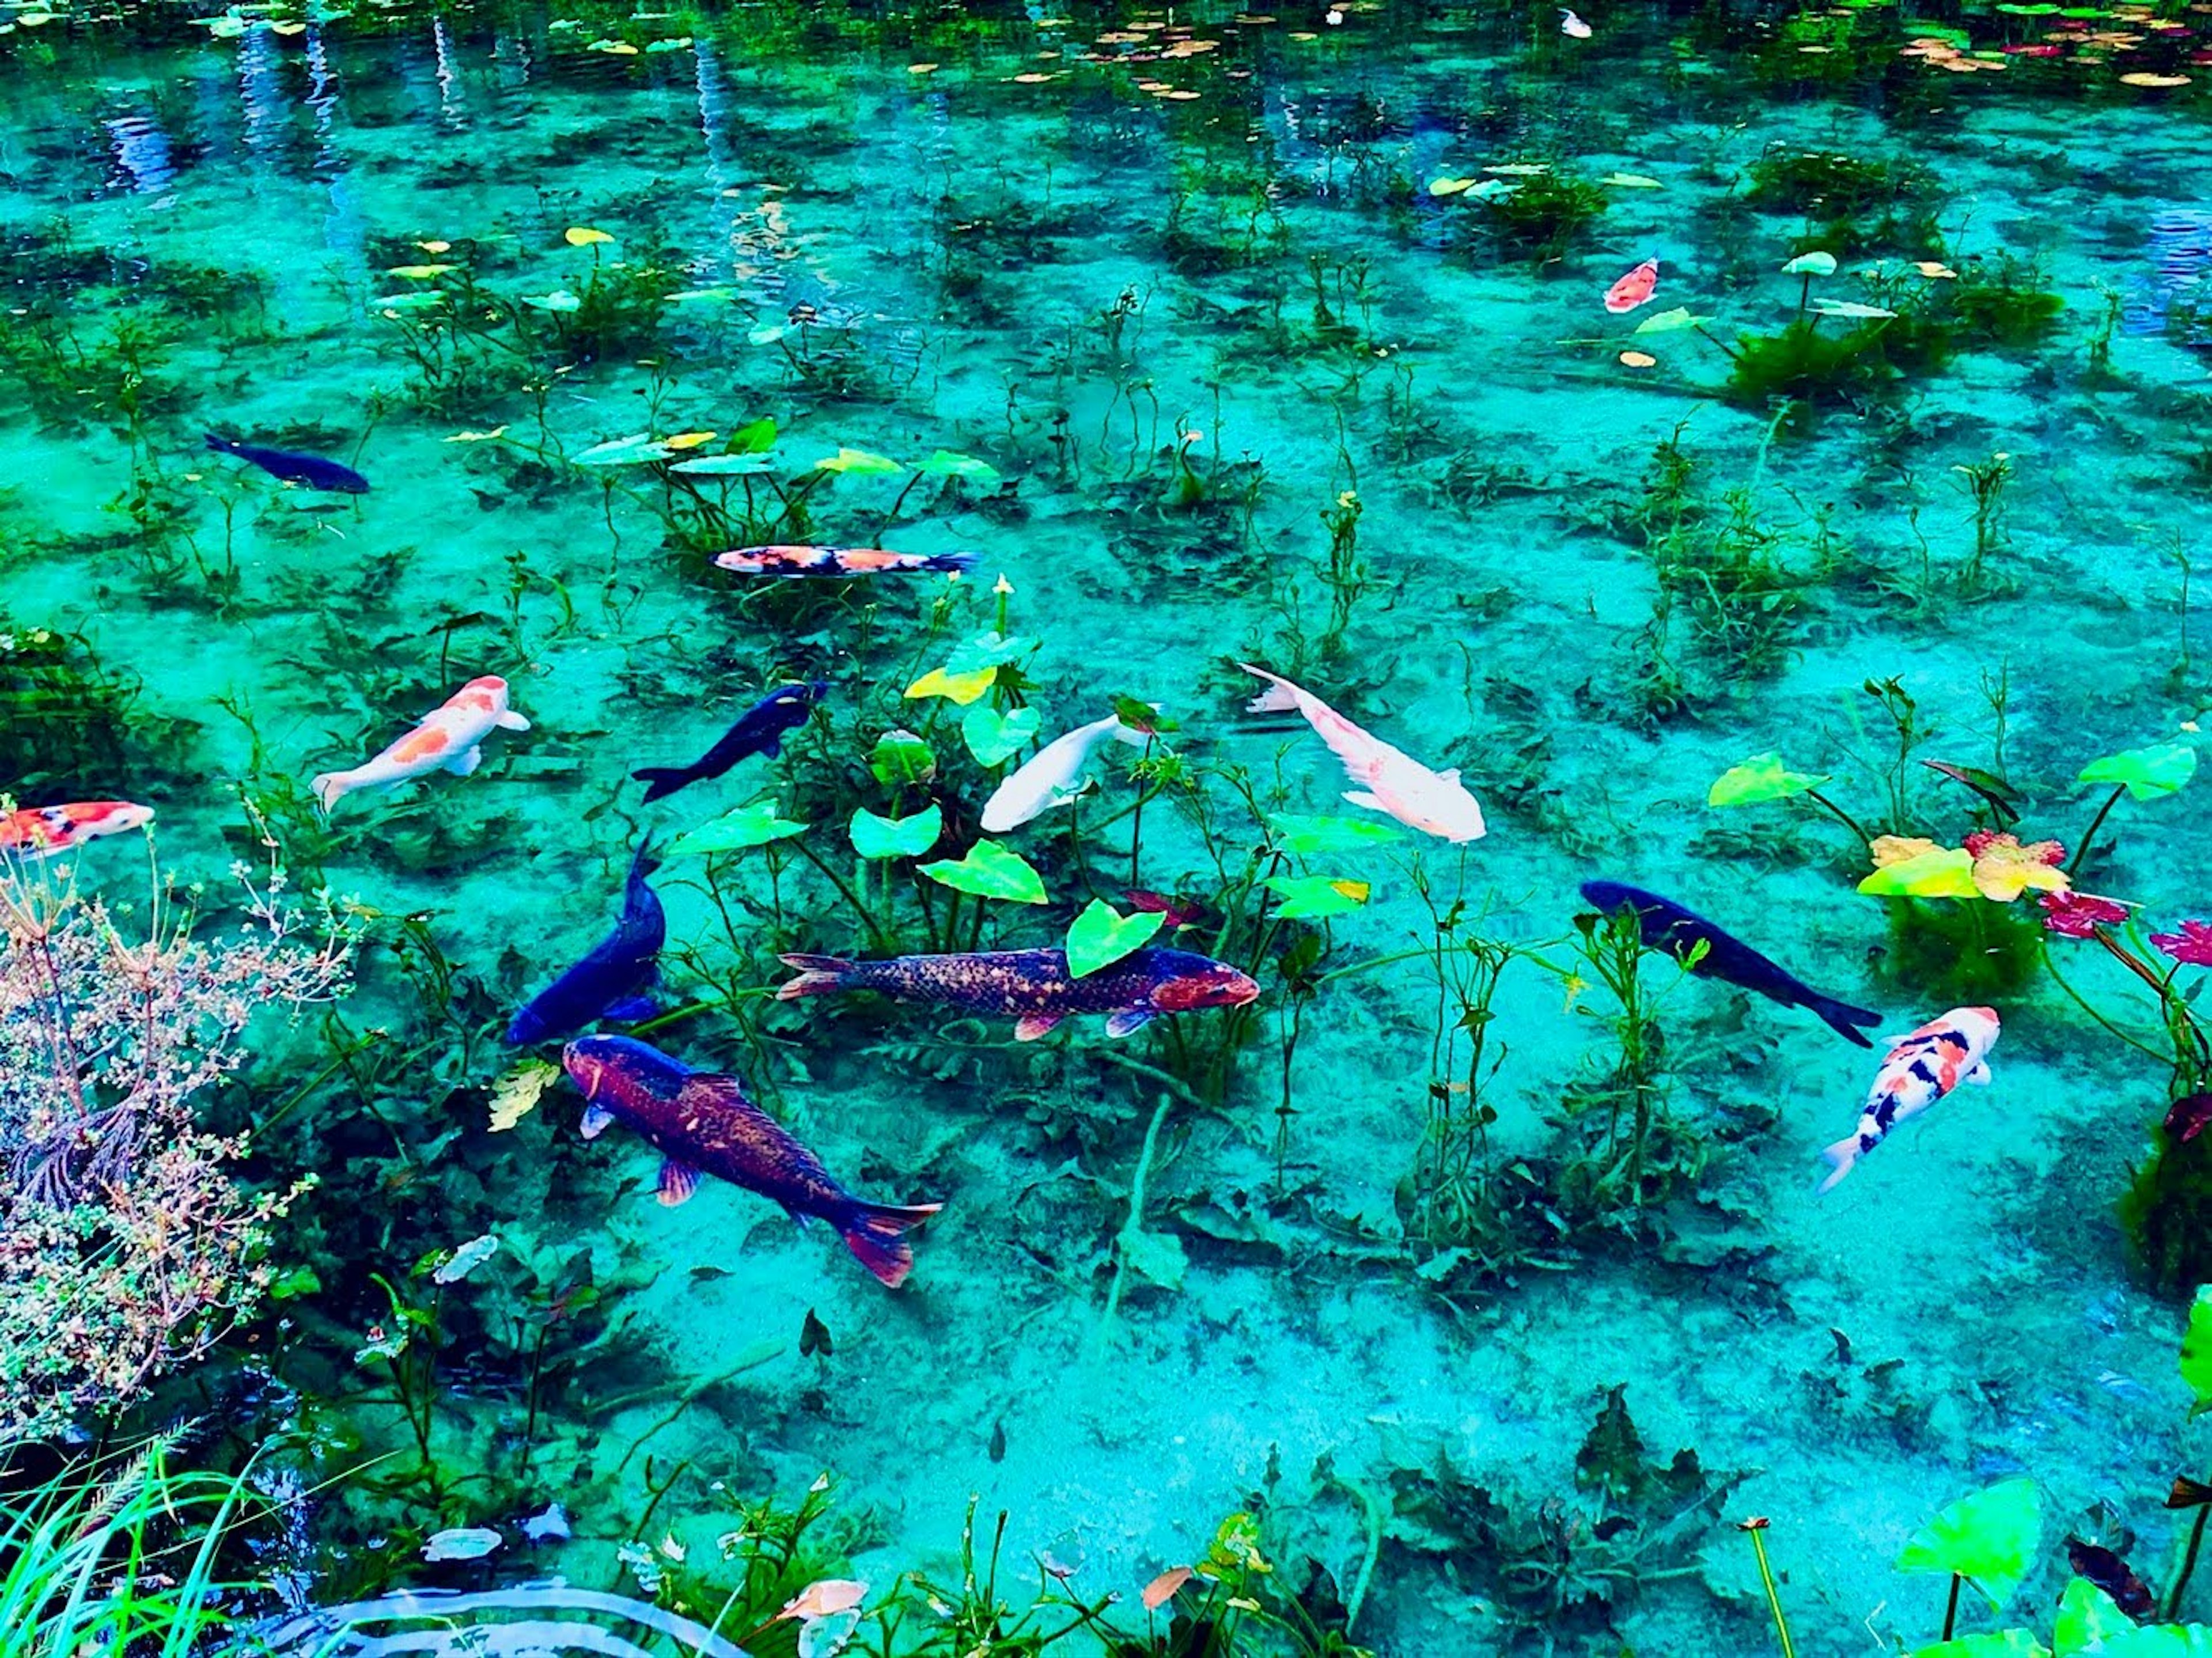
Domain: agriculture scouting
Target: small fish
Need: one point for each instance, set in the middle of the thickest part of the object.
(551, 1526)
(1034, 986)
(48, 831)
(312, 470)
(1573, 25)
(1633, 290)
(760, 731)
(2111, 1572)
(1918, 1070)
(1666, 925)
(790, 561)
(613, 979)
(1433, 802)
(1173, 911)
(449, 738)
(702, 1123)
(1046, 779)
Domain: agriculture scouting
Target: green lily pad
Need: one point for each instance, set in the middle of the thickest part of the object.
(755, 825)
(859, 463)
(2147, 773)
(1156, 1257)
(1847, 308)
(1667, 322)
(1819, 263)
(718, 466)
(755, 437)
(900, 757)
(1309, 898)
(987, 650)
(638, 451)
(1989, 1539)
(1759, 778)
(415, 301)
(944, 463)
(1296, 832)
(897, 837)
(2088, 1618)
(993, 738)
(2197, 1351)
(2042, 9)
(989, 870)
(559, 299)
(2004, 1644)
(1102, 936)
(1947, 873)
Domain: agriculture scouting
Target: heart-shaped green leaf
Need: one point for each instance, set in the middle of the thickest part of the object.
(900, 757)
(1667, 322)
(946, 463)
(859, 463)
(987, 650)
(897, 837)
(2088, 1618)
(1761, 778)
(2197, 1351)
(1157, 1257)
(992, 737)
(755, 437)
(1310, 896)
(1296, 832)
(755, 825)
(1103, 936)
(1989, 1539)
(2004, 1644)
(2146, 774)
(990, 870)
(1819, 263)
(1946, 872)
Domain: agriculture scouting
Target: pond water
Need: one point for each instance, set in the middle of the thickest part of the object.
(1214, 338)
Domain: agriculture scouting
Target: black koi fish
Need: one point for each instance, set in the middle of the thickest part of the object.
(760, 732)
(310, 470)
(613, 979)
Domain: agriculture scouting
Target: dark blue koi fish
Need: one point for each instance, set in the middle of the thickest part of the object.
(310, 470)
(760, 732)
(613, 979)
(1666, 925)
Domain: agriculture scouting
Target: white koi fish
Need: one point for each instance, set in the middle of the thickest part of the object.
(1434, 802)
(1046, 778)
(1918, 1070)
(448, 739)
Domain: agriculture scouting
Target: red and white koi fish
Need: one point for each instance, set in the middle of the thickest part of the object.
(448, 739)
(1434, 802)
(1918, 1070)
(787, 561)
(46, 831)
(1633, 290)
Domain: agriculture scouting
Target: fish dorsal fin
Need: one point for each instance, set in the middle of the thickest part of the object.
(677, 1183)
(1451, 777)
(710, 1091)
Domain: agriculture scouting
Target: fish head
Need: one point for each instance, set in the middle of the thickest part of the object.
(1979, 1025)
(109, 817)
(622, 1075)
(528, 1028)
(486, 691)
(1194, 982)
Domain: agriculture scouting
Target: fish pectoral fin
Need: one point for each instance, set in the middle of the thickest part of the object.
(595, 1120)
(512, 721)
(1129, 1021)
(1451, 777)
(464, 762)
(631, 1009)
(1034, 1025)
(1361, 798)
(1979, 1075)
(678, 1183)
(799, 1217)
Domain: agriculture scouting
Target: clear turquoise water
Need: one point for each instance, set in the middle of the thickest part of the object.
(1056, 277)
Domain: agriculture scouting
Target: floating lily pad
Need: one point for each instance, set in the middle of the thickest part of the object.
(897, 837)
(2146, 774)
(1102, 936)
(989, 650)
(1761, 778)
(1988, 1538)
(718, 466)
(754, 825)
(1667, 322)
(2004, 1644)
(1631, 181)
(1847, 308)
(990, 870)
(1309, 898)
(1946, 872)
(415, 301)
(992, 737)
(1295, 832)
(943, 463)
(581, 235)
(2197, 1351)
(1819, 263)
(859, 463)
(2089, 1620)
(420, 273)
(637, 450)
(1449, 187)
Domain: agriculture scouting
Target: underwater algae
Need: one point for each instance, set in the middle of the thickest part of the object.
(1750, 458)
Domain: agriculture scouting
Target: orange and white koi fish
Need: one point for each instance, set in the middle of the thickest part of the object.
(1918, 1070)
(789, 561)
(448, 739)
(1434, 802)
(1633, 290)
(45, 831)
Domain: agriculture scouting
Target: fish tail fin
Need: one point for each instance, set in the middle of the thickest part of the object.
(661, 781)
(951, 562)
(876, 1234)
(817, 975)
(1842, 1157)
(1280, 697)
(331, 787)
(1843, 1018)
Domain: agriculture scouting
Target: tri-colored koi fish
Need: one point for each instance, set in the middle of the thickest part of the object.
(449, 738)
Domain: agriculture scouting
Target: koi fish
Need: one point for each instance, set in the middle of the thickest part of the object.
(789, 561)
(613, 979)
(760, 729)
(1633, 290)
(48, 831)
(702, 1123)
(1572, 26)
(1665, 925)
(1918, 1070)
(1047, 778)
(1433, 802)
(310, 470)
(448, 739)
(1034, 985)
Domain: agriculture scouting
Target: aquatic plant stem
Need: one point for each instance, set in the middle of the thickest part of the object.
(868, 916)
(1840, 814)
(2081, 850)
(1135, 1224)
(2080, 1001)
(2188, 1563)
(1951, 1610)
(1757, 1527)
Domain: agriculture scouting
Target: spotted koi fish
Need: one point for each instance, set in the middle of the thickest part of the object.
(836, 560)
(448, 739)
(1918, 1070)
(47, 831)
